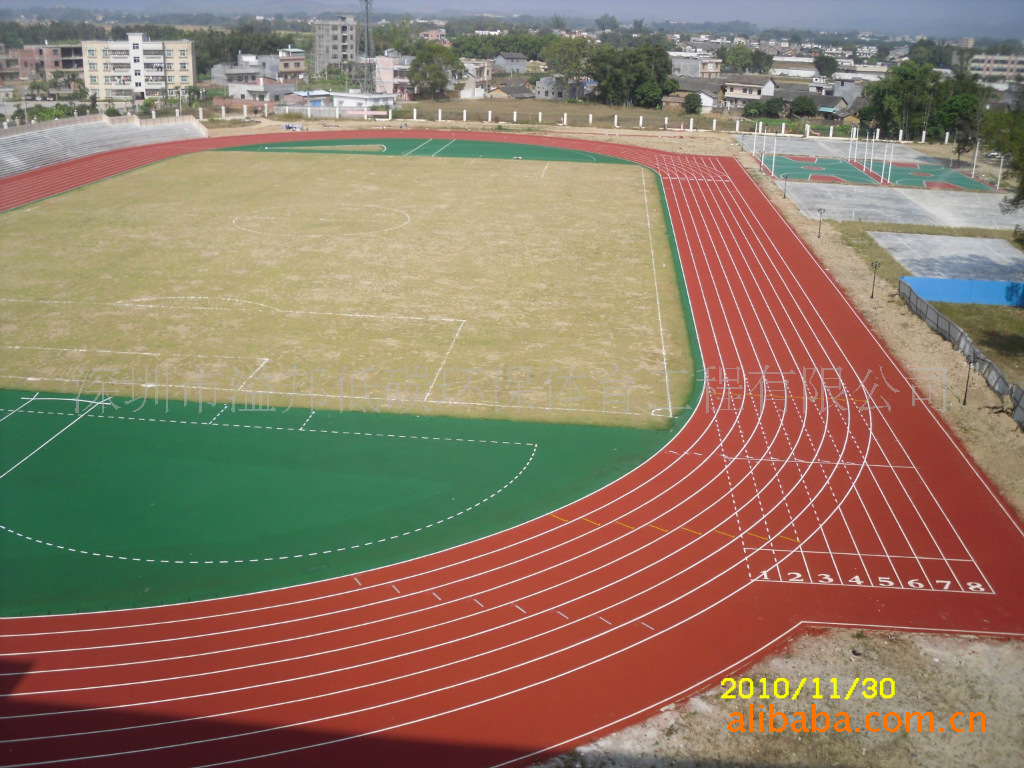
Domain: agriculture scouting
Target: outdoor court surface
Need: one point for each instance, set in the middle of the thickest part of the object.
(811, 486)
(910, 174)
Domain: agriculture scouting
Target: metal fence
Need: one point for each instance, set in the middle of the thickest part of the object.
(956, 336)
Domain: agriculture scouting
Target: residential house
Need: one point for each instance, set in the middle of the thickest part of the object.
(738, 90)
(709, 90)
(557, 88)
(261, 89)
(436, 36)
(512, 91)
(794, 66)
(512, 63)
(693, 64)
(39, 62)
(393, 73)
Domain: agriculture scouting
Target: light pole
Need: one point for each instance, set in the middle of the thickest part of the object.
(972, 359)
(785, 183)
(821, 212)
(874, 265)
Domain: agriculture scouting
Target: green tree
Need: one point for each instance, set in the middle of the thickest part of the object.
(962, 115)
(803, 106)
(905, 98)
(736, 58)
(395, 34)
(567, 56)
(929, 52)
(648, 94)
(691, 104)
(753, 109)
(773, 107)
(761, 62)
(1004, 132)
(826, 65)
(433, 67)
(607, 21)
(558, 22)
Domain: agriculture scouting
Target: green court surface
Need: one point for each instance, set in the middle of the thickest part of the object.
(797, 168)
(387, 145)
(927, 176)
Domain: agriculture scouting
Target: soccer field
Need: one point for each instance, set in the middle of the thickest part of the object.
(528, 290)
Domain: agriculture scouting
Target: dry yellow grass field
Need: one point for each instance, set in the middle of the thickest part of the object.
(525, 290)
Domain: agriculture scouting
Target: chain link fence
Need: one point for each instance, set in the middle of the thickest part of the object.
(956, 336)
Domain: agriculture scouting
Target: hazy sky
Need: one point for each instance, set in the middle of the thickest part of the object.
(939, 18)
(1001, 18)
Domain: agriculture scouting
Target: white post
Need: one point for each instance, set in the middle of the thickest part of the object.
(714, 124)
(337, 113)
(366, 114)
(923, 134)
(152, 113)
(177, 112)
(666, 123)
(641, 121)
(590, 119)
(807, 130)
(309, 111)
(946, 140)
(463, 115)
(266, 109)
(488, 115)
(783, 129)
(900, 139)
(565, 118)
(540, 116)
(616, 121)
(245, 111)
(999, 178)
(223, 112)
(439, 114)
(200, 114)
(414, 111)
(892, 154)
(389, 115)
(974, 167)
(878, 134)
(737, 126)
(691, 123)
(515, 116)
(831, 128)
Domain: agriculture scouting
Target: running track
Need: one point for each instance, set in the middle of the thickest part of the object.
(808, 489)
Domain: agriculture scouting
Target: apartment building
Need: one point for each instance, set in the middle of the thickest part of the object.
(1001, 65)
(39, 62)
(335, 43)
(138, 68)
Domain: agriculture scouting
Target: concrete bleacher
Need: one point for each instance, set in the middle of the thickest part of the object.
(58, 142)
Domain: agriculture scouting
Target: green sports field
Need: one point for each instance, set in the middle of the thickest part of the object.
(244, 370)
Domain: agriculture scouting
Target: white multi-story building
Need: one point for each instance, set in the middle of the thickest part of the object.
(335, 43)
(138, 68)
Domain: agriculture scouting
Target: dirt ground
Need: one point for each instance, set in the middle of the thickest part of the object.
(942, 674)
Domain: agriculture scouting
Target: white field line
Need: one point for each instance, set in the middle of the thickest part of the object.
(440, 368)
(81, 416)
(657, 298)
(29, 400)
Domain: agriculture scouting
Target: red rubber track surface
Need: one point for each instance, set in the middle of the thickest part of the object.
(507, 649)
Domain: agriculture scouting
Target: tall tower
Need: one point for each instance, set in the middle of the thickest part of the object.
(368, 75)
